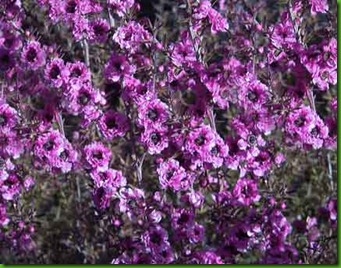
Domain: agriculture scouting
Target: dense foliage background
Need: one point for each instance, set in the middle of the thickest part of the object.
(168, 131)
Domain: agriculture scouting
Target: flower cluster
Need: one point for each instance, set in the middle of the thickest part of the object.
(180, 137)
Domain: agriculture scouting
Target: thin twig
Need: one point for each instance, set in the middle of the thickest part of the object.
(196, 47)
(86, 52)
(139, 168)
(330, 172)
(211, 118)
(60, 122)
(78, 189)
(111, 19)
(310, 94)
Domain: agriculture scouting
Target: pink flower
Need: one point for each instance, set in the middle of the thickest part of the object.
(303, 126)
(33, 55)
(113, 124)
(109, 179)
(79, 71)
(121, 6)
(205, 10)
(97, 156)
(56, 73)
(245, 191)
(318, 6)
(118, 67)
(172, 175)
(282, 34)
(99, 30)
(152, 112)
(8, 117)
(131, 36)
(182, 52)
(54, 152)
(155, 139)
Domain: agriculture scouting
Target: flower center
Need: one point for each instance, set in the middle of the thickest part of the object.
(326, 56)
(152, 114)
(252, 96)
(155, 137)
(76, 72)
(245, 190)
(183, 219)
(55, 71)
(215, 150)
(169, 174)
(155, 238)
(48, 145)
(3, 120)
(110, 122)
(98, 155)
(325, 75)
(299, 121)
(71, 7)
(5, 59)
(31, 55)
(200, 140)
(224, 93)
(315, 131)
(64, 155)
(252, 139)
(83, 98)
(99, 30)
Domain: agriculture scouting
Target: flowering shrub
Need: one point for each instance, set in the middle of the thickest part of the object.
(189, 131)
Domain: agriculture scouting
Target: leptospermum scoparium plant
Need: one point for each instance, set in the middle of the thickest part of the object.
(163, 132)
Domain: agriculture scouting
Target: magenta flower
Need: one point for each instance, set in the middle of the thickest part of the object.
(33, 55)
(138, 92)
(152, 112)
(121, 7)
(6, 60)
(99, 30)
(48, 144)
(318, 6)
(12, 145)
(102, 197)
(56, 73)
(8, 117)
(97, 156)
(4, 219)
(172, 175)
(79, 71)
(200, 141)
(246, 192)
(113, 124)
(155, 139)
(11, 187)
(118, 67)
(205, 10)
(110, 178)
(155, 239)
(182, 53)
(182, 218)
(81, 98)
(207, 257)
(240, 237)
(282, 34)
(53, 152)
(8, 39)
(253, 95)
(303, 126)
(196, 233)
(66, 159)
(131, 36)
